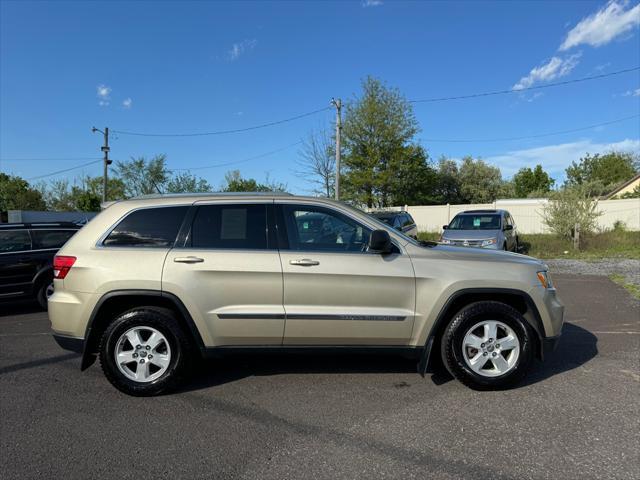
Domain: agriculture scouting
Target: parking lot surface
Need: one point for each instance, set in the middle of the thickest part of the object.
(576, 416)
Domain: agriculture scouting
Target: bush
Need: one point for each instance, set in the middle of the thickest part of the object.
(570, 207)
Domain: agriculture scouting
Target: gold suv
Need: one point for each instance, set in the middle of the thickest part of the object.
(152, 284)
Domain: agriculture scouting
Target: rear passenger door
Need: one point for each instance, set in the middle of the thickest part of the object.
(17, 262)
(227, 271)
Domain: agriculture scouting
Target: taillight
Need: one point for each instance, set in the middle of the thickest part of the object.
(61, 266)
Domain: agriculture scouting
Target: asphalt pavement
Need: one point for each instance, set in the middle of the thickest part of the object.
(576, 416)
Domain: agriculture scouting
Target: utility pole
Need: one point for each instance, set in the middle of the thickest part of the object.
(107, 162)
(338, 104)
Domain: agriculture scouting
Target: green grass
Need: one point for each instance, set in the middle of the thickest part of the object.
(632, 288)
(611, 244)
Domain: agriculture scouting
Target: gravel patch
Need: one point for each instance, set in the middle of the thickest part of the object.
(630, 268)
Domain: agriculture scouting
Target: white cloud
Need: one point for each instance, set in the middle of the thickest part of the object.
(239, 48)
(555, 68)
(632, 93)
(127, 102)
(371, 3)
(603, 26)
(556, 158)
(104, 95)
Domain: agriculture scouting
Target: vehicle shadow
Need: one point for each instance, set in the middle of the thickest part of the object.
(19, 307)
(576, 348)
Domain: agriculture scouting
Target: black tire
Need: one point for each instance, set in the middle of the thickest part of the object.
(452, 344)
(165, 322)
(41, 294)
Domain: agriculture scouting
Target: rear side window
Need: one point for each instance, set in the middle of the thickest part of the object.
(242, 226)
(14, 241)
(148, 227)
(50, 238)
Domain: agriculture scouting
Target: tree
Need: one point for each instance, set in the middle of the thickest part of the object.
(187, 182)
(234, 182)
(378, 134)
(528, 181)
(60, 196)
(143, 177)
(569, 207)
(447, 182)
(17, 194)
(412, 178)
(318, 163)
(479, 181)
(115, 187)
(600, 173)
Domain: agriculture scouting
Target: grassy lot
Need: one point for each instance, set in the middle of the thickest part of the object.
(632, 288)
(611, 244)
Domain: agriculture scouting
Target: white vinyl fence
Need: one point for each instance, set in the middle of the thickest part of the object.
(527, 214)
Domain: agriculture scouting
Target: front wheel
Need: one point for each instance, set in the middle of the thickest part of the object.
(144, 352)
(488, 345)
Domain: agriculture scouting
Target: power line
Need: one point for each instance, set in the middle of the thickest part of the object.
(549, 134)
(63, 171)
(42, 159)
(519, 90)
(240, 161)
(223, 132)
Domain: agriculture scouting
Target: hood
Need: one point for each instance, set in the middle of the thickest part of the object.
(475, 255)
(470, 234)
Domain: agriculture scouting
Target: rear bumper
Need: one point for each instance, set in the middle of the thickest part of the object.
(73, 344)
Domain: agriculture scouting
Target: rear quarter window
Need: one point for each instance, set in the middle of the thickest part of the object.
(148, 227)
(50, 238)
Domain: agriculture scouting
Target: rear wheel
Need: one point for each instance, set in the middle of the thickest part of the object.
(144, 352)
(488, 345)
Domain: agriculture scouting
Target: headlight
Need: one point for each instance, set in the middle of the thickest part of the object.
(545, 279)
(489, 241)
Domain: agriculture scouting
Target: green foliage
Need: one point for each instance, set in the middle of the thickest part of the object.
(143, 177)
(609, 244)
(570, 207)
(17, 194)
(234, 182)
(115, 187)
(447, 183)
(599, 174)
(479, 181)
(379, 150)
(186, 183)
(635, 193)
(527, 182)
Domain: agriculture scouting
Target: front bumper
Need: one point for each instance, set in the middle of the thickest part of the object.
(73, 344)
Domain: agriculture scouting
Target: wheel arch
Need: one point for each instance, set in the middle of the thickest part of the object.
(116, 302)
(517, 299)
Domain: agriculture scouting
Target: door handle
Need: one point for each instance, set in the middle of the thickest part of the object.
(304, 262)
(188, 259)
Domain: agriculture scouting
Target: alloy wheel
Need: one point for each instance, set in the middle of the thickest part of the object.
(491, 348)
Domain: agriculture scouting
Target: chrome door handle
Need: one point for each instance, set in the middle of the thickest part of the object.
(304, 262)
(188, 259)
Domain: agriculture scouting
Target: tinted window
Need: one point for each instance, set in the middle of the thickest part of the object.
(407, 220)
(149, 227)
(14, 241)
(230, 226)
(50, 238)
(475, 222)
(320, 229)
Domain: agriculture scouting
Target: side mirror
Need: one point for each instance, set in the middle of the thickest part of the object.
(444, 227)
(380, 242)
(508, 227)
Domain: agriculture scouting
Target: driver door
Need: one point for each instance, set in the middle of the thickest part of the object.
(335, 292)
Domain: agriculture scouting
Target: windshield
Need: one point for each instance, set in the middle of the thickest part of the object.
(383, 226)
(384, 218)
(475, 222)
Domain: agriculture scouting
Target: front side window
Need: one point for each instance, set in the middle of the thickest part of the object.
(148, 227)
(322, 229)
(50, 238)
(242, 226)
(14, 241)
(475, 222)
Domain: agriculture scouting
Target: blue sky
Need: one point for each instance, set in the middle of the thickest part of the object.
(189, 67)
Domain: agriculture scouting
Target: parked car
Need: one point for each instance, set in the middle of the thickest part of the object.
(151, 284)
(26, 258)
(401, 221)
(493, 229)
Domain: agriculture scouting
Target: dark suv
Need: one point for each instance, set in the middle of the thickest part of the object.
(401, 221)
(26, 258)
